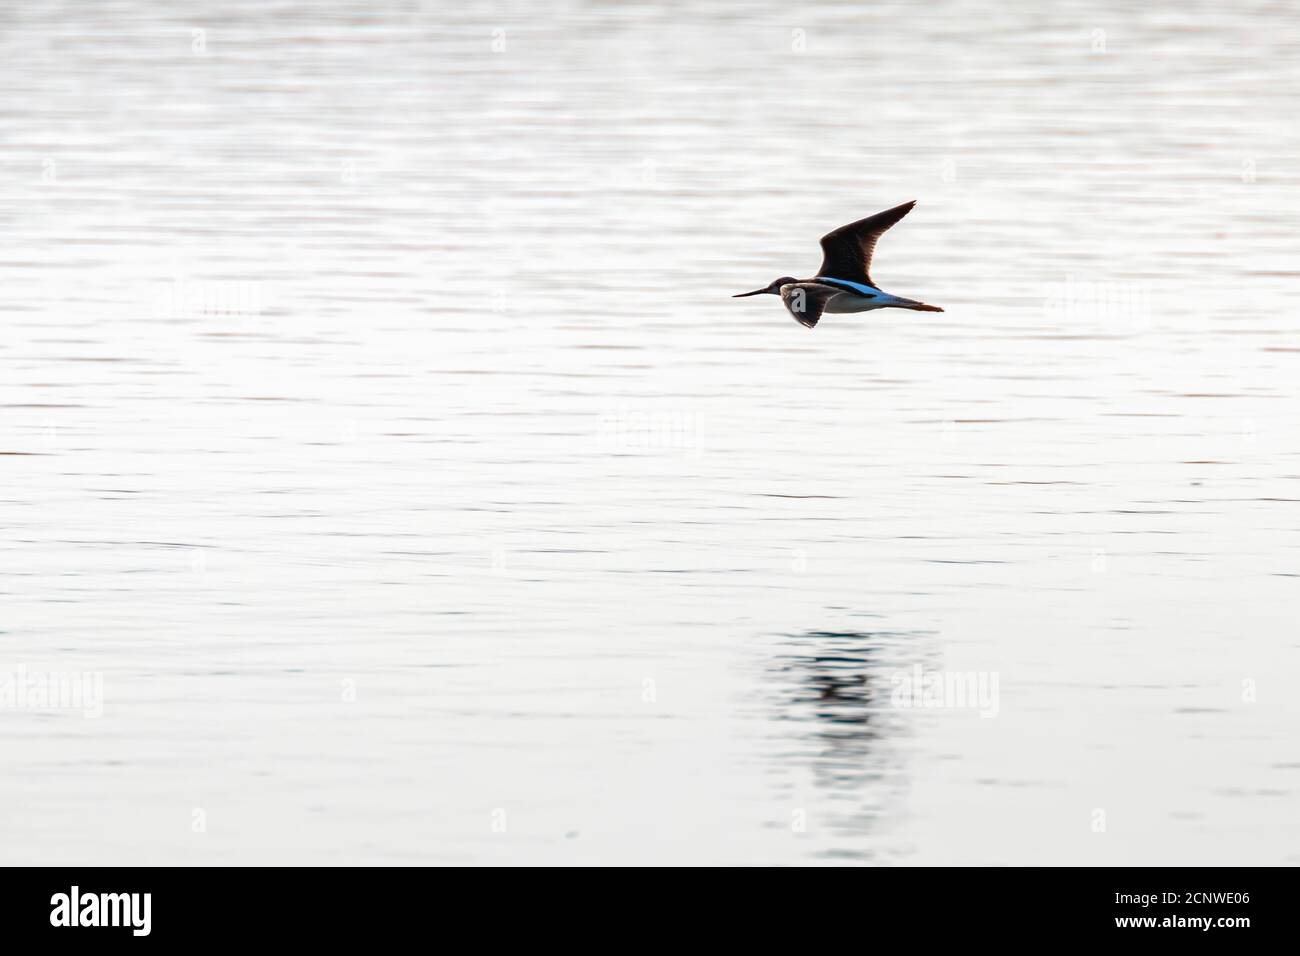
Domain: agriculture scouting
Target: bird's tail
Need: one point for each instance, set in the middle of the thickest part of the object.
(918, 306)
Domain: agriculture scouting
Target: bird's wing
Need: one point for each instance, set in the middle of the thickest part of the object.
(847, 250)
(806, 300)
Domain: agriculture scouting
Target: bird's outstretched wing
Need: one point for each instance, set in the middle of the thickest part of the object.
(847, 250)
(806, 300)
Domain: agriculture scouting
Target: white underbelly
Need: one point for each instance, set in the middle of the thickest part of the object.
(846, 302)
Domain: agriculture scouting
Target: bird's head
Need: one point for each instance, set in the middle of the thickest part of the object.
(774, 288)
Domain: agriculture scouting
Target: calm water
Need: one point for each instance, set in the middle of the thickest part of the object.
(376, 421)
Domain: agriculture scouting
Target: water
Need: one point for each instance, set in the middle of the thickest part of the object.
(377, 423)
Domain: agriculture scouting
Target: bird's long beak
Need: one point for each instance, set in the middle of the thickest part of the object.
(741, 295)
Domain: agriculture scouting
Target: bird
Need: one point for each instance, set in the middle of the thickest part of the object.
(843, 283)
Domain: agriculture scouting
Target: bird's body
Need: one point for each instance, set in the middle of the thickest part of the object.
(855, 296)
(843, 284)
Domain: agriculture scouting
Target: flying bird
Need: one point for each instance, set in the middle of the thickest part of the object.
(843, 283)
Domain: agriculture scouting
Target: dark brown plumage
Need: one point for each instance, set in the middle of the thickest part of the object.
(848, 249)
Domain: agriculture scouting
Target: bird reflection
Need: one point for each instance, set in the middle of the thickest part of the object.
(837, 683)
(831, 683)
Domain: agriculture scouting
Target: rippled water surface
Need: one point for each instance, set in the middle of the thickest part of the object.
(376, 421)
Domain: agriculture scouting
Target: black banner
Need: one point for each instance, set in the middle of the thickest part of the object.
(1167, 907)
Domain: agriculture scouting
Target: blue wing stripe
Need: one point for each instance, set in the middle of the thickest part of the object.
(858, 286)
